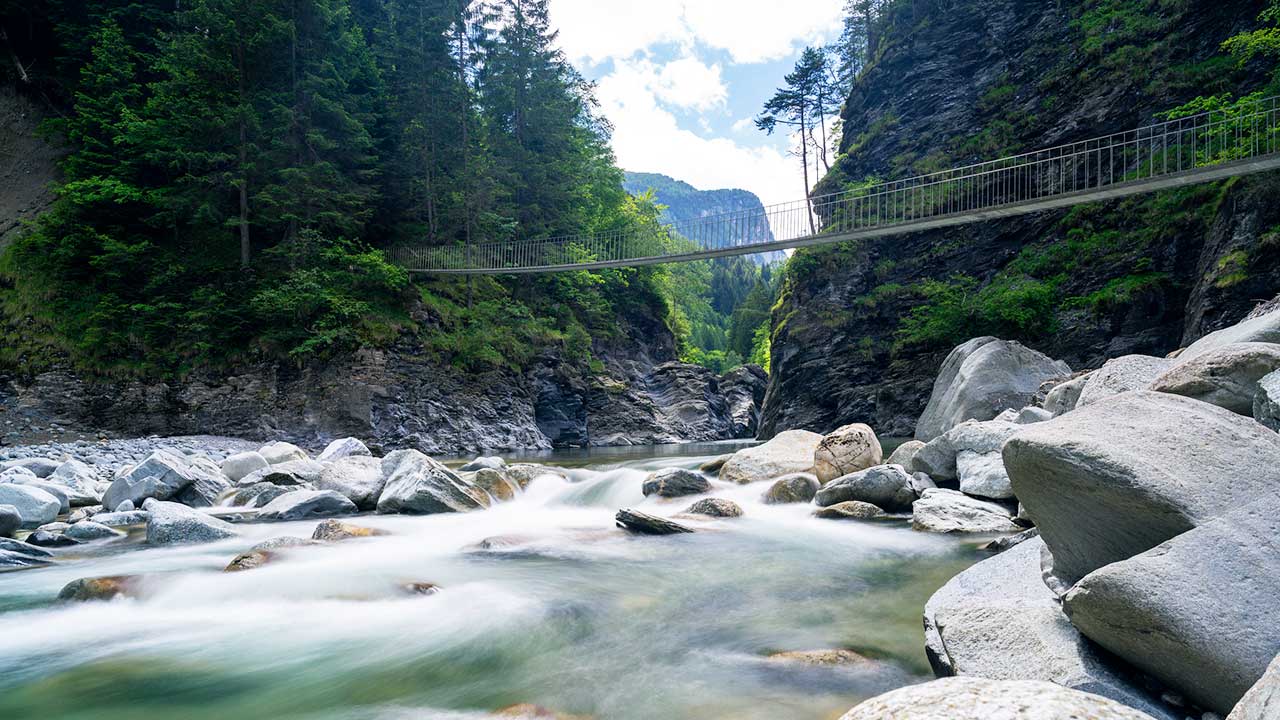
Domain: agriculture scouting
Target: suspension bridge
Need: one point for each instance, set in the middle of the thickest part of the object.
(1194, 149)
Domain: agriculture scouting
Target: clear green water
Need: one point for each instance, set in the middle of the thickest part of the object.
(571, 614)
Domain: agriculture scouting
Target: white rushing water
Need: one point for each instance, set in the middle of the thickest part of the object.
(561, 609)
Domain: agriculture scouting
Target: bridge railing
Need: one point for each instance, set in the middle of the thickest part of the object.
(1162, 151)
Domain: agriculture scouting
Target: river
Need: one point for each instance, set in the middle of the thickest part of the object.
(563, 611)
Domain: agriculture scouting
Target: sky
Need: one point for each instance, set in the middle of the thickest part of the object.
(681, 81)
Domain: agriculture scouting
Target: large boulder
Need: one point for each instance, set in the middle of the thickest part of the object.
(1266, 404)
(846, 450)
(162, 475)
(1226, 376)
(343, 447)
(58, 491)
(489, 462)
(358, 477)
(80, 481)
(239, 465)
(418, 485)
(1262, 702)
(948, 511)
(88, 531)
(888, 487)
(675, 482)
(303, 472)
(1199, 612)
(1063, 397)
(1261, 328)
(525, 473)
(788, 452)
(259, 494)
(979, 466)
(794, 488)
(905, 455)
(1112, 480)
(207, 487)
(281, 452)
(34, 505)
(1120, 375)
(306, 505)
(998, 620)
(982, 378)
(171, 524)
(968, 698)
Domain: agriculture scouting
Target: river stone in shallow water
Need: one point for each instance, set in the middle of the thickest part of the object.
(825, 658)
(490, 462)
(88, 530)
(788, 452)
(17, 554)
(100, 588)
(646, 524)
(265, 552)
(846, 450)
(291, 472)
(237, 466)
(1114, 479)
(260, 494)
(793, 488)
(307, 504)
(357, 477)
(1199, 612)
(118, 519)
(10, 520)
(1262, 702)
(715, 507)
(982, 378)
(997, 620)
(849, 510)
(496, 483)
(1123, 374)
(171, 524)
(418, 485)
(525, 473)
(966, 698)
(675, 482)
(335, 530)
(948, 511)
(1226, 376)
(886, 486)
(162, 475)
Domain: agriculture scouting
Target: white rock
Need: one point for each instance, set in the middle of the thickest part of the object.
(1064, 396)
(967, 698)
(983, 475)
(35, 506)
(948, 511)
(1122, 374)
(343, 447)
(235, 467)
(1265, 328)
(281, 452)
(1225, 376)
(357, 477)
(789, 452)
(171, 524)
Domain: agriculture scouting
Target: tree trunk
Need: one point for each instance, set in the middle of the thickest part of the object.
(244, 165)
(804, 160)
(22, 71)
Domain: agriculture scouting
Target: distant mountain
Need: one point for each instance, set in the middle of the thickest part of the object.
(685, 202)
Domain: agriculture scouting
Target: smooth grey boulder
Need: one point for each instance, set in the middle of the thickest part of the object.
(905, 455)
(491, 462)
(162, 475)
(1065, 395)
(715, 507)
(118, 519)
(289, 472)
(358, 477)
(58, 491)
(281, 452)
(343, 447)
(937, 459)
(125, 506)
(997, 620)
(1262, 702)
(35, 506)
(979, 466)
(793, 488)
(80, 481)
(888, 487)
(10, 520)
(788, 452)
(416, 484)
(1225, 376)
(1264, 328)
(982, 378)
(969, 698)
(259, 494)
(235, 467)
(849, 510)
(675, 482)
(17, 554)
(88, 530)
(1266, 404)
(208, 485)
(306, 505)
(846, 450)
(1114, 479)
(948, 511)
(40, 467)
(1199, 612)
(1028, 415)
(170, 523)
(1122, 374)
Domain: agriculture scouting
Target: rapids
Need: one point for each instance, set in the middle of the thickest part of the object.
(561, 610)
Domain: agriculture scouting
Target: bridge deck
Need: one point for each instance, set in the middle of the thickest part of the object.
(1197, 149)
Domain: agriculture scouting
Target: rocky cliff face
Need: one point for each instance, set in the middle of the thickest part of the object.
(956, 83)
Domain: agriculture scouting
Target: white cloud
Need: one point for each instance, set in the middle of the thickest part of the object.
(750, 31)
(689, 83)
(647, 138)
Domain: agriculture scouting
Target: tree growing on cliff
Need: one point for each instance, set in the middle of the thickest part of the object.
(802, 105)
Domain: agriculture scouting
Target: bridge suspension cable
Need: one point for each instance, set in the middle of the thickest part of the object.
(1194, 149)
